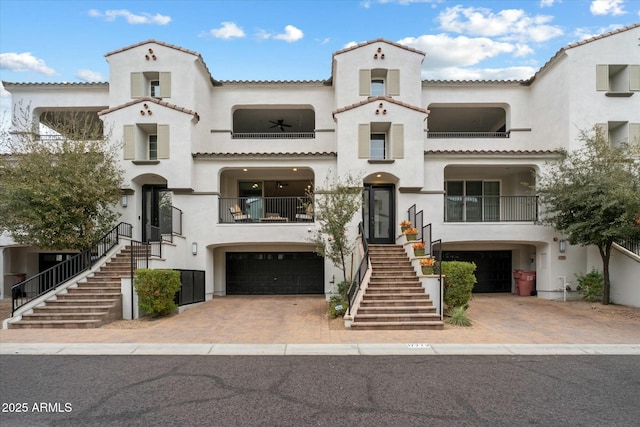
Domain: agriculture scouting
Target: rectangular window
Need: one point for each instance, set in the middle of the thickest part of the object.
(154, 88)
(618, 79)
(378, 148)
(472, 201)
(153, 147)
(377, 87)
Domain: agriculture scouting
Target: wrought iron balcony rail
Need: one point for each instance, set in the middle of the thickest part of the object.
(273, 135)
(491, 208)
(452, 135)
(261, 210)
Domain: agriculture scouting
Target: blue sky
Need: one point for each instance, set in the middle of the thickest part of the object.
(65, 41)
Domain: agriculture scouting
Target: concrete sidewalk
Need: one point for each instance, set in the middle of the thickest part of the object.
(502, 324)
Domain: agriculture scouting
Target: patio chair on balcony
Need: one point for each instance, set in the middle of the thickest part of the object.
(238, 215)
(307, 214)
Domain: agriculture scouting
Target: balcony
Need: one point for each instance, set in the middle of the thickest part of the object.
(491, 209)
(273, 135)
(468, 135)
(265, 210)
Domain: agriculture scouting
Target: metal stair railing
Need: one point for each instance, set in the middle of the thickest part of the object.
(41, 283)
(362, 270)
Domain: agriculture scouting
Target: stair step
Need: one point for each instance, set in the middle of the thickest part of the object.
(393, 296)
(89, 295)
(425, 324)
(399, 309)
(65, 316)
(423, 302)
(395, 289)
(66, 308)
(397, 317)
(55, 324)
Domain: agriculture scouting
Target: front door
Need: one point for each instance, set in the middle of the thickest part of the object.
(153, 197)
(378, 213)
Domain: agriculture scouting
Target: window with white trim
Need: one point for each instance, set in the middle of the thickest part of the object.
(146, 142)
(472, 201)
(379, 82)
(153, 147)
(618, 79)
(619, 132)
(380, 141)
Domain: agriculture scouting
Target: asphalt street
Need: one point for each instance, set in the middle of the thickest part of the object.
(515, 390)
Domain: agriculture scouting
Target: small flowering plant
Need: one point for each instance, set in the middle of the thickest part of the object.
(410, 231)
(427, 262)
(405, 224)
(418, 245)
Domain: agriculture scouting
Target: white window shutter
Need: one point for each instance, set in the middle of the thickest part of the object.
(364, 140)
(393, 82)
(137, 85)
(129, 136)
(602, 77)
(397, 141)
(634, 133)
(634, 77)
(364, 84)
(163, 141)
(165, 85)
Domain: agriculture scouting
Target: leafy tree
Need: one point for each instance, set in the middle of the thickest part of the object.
(335, 205)
(58, 191)
(592, 195)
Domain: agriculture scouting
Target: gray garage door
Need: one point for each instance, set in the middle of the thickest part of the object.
(274, 273)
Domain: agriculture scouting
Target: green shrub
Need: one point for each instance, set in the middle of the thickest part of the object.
(458, 282)
(156, 290)
(591, 285)
(339, 303)
(458, 316)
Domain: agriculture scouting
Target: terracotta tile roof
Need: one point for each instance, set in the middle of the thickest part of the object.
(61, 84)
(289, 154)
(153, 100)
(274, 82)
(379, 39)
(493, 152)
(560, 52)
(473, 82)
(380, 98)
(171, 46)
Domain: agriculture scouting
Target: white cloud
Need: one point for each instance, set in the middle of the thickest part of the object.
(24, 62)
(583, 33)
(444, 51)
(229, 30)
(350, 44)
(291, 34)
(547, 3)
(131, 18)
(89, 76)
(508, 24)
(607, 7)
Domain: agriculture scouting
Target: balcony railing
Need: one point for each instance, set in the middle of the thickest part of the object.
(261, 210)
(490, 208)
(273, 135)
(451, 135)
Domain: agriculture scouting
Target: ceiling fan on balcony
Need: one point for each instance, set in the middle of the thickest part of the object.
(279, 124)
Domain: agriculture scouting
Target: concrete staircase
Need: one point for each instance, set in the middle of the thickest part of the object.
(88, 305)
(394, 298)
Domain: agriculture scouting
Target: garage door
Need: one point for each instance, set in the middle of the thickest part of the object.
(493, 268)
(274, 273)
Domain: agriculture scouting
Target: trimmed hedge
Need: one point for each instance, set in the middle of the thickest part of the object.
(458, 283)
(156, 290)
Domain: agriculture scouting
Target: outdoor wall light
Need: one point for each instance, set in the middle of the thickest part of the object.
(562, 246)
(124, 201)
(194, 248)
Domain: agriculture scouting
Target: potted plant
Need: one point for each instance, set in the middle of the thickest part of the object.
(404, 225)
(418, 249)
(427, 265)
(411, 233)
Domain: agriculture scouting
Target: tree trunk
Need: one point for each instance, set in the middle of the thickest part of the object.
(605, 254)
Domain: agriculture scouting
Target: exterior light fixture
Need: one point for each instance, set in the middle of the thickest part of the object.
(124, 201)
(562, 246)
(194, 248)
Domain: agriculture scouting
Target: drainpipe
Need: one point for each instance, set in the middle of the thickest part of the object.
(564, 287)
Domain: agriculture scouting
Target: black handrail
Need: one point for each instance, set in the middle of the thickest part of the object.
(632, 245)
(362, 270)
(41, 283)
